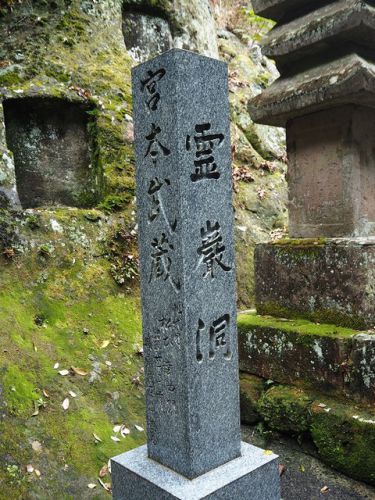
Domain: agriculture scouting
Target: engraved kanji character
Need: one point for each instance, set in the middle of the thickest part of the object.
(150, 84)
(212, 249)
(161, 261)
(157, 206)
(219, 336)
(155, 147)
(205, 165)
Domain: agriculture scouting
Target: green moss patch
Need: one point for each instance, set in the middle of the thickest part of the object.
(302, 326)
(251, 389)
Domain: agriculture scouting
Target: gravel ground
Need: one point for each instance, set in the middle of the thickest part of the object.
(305, 477)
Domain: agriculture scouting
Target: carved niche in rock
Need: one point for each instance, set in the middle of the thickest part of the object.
(146, 31)
(52, 151)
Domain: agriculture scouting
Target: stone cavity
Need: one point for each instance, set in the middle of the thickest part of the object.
(146, 31)
(52, 152)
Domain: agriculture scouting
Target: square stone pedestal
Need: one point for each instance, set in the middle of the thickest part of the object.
(324, 280)
(253, 476)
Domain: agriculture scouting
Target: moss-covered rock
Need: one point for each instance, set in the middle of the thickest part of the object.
(342, 432)
(251, 389)
(345, 438)
(286, 409)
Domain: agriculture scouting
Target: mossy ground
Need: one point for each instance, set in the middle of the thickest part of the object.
(63, 306)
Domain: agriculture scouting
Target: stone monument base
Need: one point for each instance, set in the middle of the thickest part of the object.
(254, 475)
(323, 280)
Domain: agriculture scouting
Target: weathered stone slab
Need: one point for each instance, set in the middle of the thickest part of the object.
(184, 195)
(330, 281)
(363, 359)
(331, 173)
(324, 30)
(287, 352)
(143, 478)
(348, 80)
(277, 9)
(327, 358)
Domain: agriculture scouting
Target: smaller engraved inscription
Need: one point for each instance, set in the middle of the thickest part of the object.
(219, 338)
(161, 262)
(205, 164)
(157, 205)
(212, 249)
(150, 84)
(155, 147)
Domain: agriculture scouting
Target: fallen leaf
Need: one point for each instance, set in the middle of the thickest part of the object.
(106, 486)
(56, 365)
(36, 446)
(91, 486)
(268, 452)
(104, 344)
(103, 471)
(325, 489)
(29, 468)
(322, 405)
(65, 403)
(45, 394)
(282, 469)
(139, 428)
(97, 438)
(115, 439)
(302, 468)
(124, 431)
(73, 394)
(64, 373)
(37, 472)
(78, 371)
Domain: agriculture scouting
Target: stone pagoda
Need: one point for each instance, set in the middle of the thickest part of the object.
(315, 290)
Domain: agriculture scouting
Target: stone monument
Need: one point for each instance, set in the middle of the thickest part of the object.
(325, 98)
(313, 333)
(185, 213)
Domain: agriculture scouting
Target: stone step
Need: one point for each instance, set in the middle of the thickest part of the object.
(327, 358)
(346, 22)
(342, 431)
(347, 80)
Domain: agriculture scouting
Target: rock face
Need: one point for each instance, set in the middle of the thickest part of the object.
(146, 35)
(68, 275)
(151, 27)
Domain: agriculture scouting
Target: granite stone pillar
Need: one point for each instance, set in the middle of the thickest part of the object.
(325, 98)
(185, 214)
